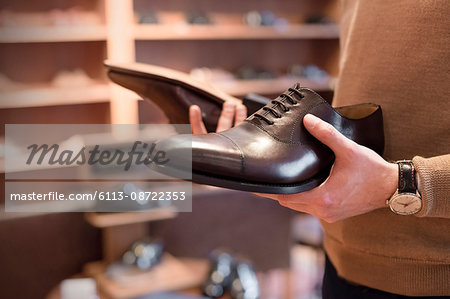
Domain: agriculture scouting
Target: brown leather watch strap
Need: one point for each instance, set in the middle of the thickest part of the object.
(406, 177)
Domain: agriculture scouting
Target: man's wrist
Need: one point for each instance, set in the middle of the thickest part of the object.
(418, 183)
(391, 181)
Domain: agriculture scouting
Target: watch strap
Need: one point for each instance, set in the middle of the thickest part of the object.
(406, 177)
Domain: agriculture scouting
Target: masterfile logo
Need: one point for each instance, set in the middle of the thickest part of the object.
(100, 168)
(140, 153)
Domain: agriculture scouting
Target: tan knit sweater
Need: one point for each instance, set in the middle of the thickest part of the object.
(396, 53)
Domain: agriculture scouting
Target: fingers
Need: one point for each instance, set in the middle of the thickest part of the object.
(287, 200)
(327, 134)
(230, 112)
(292, 201)
(241, 114)
(195, 118)
(226, 117)
(276, 196)
(299, 207)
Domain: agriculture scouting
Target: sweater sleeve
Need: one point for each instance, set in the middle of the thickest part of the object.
(434, 185)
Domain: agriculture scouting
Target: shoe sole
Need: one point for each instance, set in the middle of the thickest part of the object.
(176, 78)
(207, 179)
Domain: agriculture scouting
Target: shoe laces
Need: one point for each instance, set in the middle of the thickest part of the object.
(279, 102)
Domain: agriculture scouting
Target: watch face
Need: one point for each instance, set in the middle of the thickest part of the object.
(405, 203)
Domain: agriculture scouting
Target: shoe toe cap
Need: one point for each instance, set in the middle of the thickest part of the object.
(215, 154)
(209, 153)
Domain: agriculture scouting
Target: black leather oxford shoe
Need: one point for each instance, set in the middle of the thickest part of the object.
(173, 92)
(271, 151)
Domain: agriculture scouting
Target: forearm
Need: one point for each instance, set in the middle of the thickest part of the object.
(434, 185)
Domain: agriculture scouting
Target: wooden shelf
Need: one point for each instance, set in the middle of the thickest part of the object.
(233, 32)
(115, 219)
(270, 86)
(52, 34)
(50, 96)
(172, 274)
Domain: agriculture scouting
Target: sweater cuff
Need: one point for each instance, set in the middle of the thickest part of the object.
(434, 178)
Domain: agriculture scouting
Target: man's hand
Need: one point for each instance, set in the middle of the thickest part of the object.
(360, 180)
(230, 112)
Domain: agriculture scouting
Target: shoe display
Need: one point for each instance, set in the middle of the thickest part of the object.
(252, 73)
(271, 151)
(198, 18)
(245, 283)
(145, 254)
(318, 19)
(221, 274)
(263, 18)
(172, 91)
(233, 274)
(149, 17)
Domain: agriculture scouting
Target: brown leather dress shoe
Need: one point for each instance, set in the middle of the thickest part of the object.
(271, 151)
(173, 91)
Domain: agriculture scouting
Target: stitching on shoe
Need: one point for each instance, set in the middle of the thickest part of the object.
(275, 137)
(241, 154)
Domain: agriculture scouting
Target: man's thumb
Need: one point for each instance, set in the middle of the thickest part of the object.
(326, 133)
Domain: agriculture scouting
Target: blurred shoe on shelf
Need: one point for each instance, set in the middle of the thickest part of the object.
(310, 71)
(314, 72)
(267, 18)
(211, 75)
(252, 73)
(295, 70)
(144, 254)
(245, 283)
(148, 17)
(198, 18)
(221, 273)
(256, 18)
(232, 274)
(252, 18)
(318, 19)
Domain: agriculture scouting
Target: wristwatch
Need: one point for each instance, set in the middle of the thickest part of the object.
(406, 200)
